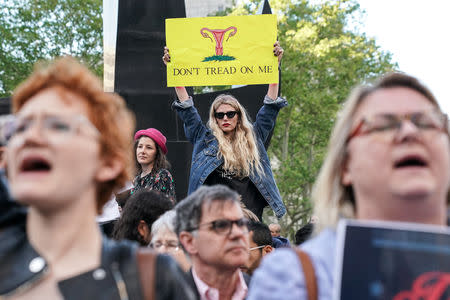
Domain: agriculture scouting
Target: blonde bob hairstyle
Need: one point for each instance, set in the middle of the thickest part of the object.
(332, 200)
(108, 113)
(240, 152)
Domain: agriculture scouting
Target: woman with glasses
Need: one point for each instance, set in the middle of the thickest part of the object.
(69, 151)
(229, 150)
(388, 160)
(165, 240)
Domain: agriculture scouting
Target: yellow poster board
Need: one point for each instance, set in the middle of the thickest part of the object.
(233, 50)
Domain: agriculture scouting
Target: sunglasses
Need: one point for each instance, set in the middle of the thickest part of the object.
(230, 114)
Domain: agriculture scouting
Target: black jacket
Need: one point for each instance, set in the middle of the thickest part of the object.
(21, 267)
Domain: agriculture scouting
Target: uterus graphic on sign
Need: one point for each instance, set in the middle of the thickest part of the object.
(218, 35)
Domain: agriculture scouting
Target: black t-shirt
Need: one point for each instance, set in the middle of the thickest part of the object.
(251, 197)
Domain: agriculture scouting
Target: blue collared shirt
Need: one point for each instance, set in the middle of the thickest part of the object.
(280, 275)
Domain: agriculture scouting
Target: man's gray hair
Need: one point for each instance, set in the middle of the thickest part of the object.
(189, 210)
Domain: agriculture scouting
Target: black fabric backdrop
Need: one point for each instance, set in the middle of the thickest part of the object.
(5, 106)
(140, 77)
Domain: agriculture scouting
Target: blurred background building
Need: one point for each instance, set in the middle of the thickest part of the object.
(203, 8)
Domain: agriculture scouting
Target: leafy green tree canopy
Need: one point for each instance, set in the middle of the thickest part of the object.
(32, 30)
(325, 56)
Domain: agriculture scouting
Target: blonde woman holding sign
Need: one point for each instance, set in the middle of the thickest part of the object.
(229, 149)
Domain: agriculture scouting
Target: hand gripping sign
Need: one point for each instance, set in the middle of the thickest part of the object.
(221, 50)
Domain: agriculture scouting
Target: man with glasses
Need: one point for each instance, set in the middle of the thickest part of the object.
(213, 231)
(389, 160)
(260, 245)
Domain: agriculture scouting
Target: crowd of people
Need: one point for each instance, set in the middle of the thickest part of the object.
(69, 150)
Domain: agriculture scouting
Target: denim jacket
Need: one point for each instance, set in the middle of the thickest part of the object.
(204, 155)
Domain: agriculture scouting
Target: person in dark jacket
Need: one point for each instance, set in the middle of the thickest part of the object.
(68, 152)
(277, 240)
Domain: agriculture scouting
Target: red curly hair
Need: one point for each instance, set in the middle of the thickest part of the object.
(107, 111)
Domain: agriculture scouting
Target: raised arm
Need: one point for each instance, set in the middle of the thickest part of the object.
(193, 126)
(182, 94)
(272, 92)
(267, 115)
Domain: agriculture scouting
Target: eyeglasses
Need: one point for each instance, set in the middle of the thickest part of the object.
(229, 114)
(389, 124)
(52, 127)
(6, 128)
(259, 247)
(224, 226)
(169, 245)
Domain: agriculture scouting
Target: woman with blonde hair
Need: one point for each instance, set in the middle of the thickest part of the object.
(388, 160)
(229, 150)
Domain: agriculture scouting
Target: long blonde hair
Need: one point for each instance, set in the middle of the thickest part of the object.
(332, 200)
(240, 151)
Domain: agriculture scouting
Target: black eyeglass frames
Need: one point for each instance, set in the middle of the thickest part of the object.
(224, 226)
(229, 114)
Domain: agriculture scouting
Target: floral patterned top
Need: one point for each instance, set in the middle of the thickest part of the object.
(160, 180)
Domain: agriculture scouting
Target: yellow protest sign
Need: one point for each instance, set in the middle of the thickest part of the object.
(222, 50)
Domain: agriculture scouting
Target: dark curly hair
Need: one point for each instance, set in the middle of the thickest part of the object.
(146, 205)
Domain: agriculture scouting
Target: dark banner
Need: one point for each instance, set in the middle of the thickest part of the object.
(5, 106)
(394, 261)
(140, 77)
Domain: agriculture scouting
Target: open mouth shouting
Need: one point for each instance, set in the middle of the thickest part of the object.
(411, 161)
(34, 165)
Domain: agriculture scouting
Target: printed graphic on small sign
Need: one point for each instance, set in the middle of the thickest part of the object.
(392, 260)
(218, 35)
(429, 286)
(221, 50)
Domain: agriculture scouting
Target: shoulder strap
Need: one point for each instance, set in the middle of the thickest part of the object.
(309, 273)
(146, 260)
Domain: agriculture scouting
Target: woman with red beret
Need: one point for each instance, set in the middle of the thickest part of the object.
(151, 163)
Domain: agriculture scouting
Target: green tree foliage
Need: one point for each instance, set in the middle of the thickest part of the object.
(32, 30)
(325, 57)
